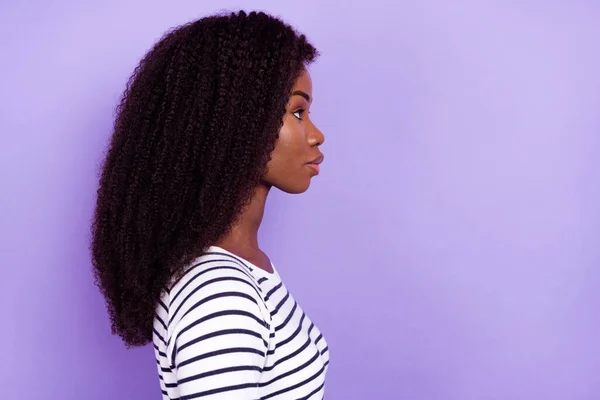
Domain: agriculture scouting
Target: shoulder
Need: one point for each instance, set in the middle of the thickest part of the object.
(212, 284)
(216, 298)
(213, 269)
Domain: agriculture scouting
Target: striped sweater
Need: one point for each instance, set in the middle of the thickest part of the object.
(230, 330)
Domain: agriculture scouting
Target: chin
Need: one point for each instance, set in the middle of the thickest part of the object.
(294, 187)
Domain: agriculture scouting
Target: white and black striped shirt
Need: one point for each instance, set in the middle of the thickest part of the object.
(230, 330)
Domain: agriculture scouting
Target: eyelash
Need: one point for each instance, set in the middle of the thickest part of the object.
(299, 112)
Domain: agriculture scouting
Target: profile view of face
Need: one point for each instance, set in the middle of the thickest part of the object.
(296, 157)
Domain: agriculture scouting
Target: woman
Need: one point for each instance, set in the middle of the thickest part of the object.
(215, 115)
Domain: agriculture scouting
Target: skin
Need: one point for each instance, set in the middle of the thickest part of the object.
(289, 170)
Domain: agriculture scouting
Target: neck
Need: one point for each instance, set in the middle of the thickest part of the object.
(244, 233)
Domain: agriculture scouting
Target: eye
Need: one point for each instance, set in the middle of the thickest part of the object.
(298, 114)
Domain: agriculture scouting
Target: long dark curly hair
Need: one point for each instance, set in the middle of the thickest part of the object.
(193, 134)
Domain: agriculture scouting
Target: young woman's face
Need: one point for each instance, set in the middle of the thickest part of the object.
(296, 157)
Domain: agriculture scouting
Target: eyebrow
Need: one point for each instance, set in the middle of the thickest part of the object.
(302, 94)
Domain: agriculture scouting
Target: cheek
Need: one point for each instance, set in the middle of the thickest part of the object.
(285, 169)
(289, 144)
(292, 135)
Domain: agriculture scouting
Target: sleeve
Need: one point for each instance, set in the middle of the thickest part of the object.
(220, 340)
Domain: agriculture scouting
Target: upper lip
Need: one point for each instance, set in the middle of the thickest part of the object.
(317, 160)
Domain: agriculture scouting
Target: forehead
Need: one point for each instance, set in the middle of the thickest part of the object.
(304, 82)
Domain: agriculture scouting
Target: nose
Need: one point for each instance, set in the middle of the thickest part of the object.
(315, 136)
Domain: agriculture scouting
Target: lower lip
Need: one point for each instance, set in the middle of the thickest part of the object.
(315, 167)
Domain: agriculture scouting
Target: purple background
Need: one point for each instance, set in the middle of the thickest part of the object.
(449, 250)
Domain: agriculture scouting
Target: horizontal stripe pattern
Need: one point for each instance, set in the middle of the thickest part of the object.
(230, 330)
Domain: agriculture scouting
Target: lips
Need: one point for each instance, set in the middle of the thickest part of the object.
(314, 164)
(317, 160)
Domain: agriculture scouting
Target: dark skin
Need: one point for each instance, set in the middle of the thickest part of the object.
(293, 164)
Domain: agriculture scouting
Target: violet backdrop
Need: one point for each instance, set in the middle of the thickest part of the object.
(449, 250)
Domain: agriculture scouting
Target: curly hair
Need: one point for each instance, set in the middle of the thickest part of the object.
(192, 137)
